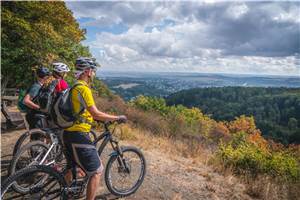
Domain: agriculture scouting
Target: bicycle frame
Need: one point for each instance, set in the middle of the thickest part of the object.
(106, 136)
(54, 142)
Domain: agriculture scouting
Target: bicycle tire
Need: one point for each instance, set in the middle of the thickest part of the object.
(141, 177)
(25, 136)
(16, 158)
(7, 183)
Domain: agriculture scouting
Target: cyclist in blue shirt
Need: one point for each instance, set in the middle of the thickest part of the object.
(33, 115)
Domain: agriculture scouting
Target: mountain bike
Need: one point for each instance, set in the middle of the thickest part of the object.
(37, 153)
(42, 133)
(124, 174)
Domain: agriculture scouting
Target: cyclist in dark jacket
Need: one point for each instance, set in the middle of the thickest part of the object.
(33, 115)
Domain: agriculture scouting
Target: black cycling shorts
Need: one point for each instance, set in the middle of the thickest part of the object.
(81, 151)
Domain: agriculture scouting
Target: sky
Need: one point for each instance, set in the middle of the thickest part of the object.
(191, 36)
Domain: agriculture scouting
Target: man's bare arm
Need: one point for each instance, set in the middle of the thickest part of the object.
(98, 115)
(27, 101)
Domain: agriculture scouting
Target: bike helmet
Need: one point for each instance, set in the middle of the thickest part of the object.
(60, 67)
(83, 63)
(42, 72)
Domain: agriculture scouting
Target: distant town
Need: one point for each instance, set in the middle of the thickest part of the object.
(131, 84)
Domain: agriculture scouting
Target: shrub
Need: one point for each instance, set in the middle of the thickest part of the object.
(150, 121)
(150, 104)
(284, 165)
(246, 157)
(101, 89)
(220, 132)
(243, 123)
(181, 120)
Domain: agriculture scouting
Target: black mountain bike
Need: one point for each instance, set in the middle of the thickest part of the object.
(124, 174)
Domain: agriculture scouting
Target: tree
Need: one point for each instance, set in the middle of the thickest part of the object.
(37, 33)
(276, 110)
(293, 124)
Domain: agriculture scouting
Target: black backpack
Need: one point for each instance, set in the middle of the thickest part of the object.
(46, 96)
(63, 112)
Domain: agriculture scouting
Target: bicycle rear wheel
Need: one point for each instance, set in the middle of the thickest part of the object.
(30, 154)
(43, 183)
(25, 138)
(124, 175)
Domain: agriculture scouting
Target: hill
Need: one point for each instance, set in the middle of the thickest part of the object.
(276, 110)
(190, 155)
(161, 84)
(169, 175)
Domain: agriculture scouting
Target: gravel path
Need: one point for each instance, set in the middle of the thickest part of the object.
(168, 176)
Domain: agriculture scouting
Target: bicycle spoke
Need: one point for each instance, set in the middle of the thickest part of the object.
(47, 192)
(38, 156)
(57, 191)
(41, 183)
(48, 182)
(121, 179)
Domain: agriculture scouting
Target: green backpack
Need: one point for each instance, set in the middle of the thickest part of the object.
(21, 106)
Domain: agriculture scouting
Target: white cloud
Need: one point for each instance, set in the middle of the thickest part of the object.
(219, 37)
(237, 10)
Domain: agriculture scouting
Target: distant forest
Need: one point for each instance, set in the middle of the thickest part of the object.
(276, 110)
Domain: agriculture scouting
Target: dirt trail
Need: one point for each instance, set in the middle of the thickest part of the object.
(168, 176)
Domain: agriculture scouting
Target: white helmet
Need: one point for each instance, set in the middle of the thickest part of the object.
(60, 67)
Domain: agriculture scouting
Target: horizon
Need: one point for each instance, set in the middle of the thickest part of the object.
(203, 73)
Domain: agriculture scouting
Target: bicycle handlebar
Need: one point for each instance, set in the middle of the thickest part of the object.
(108, 123)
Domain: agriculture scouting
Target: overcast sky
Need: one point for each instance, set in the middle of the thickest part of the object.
(222, 37)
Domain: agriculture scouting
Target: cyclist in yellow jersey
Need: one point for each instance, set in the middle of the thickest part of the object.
(80, 149)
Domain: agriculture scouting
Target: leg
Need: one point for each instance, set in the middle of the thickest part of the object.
(83, 152)
(32, 122)
(92, 186)
(68, 177)
(29, 119)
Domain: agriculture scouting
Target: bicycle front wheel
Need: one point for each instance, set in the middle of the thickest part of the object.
(125, 174)
(43, 183)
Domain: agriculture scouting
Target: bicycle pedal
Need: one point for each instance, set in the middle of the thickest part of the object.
(76, 193)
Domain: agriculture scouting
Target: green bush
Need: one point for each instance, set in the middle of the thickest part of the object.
(246, 153)
(101, 89)
(247, 158)
(181, 119)
(284, 165)
(150, 104)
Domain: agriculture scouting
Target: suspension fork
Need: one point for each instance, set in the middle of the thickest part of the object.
(120, 159)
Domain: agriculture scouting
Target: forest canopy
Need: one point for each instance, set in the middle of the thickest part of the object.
(37, 33)
(276, 110)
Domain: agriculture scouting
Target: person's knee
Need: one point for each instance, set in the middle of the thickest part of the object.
(96, 175)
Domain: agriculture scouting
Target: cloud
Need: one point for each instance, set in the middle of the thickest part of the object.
(249, 37)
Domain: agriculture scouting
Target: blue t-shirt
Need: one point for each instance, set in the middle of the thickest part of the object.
(33, 91)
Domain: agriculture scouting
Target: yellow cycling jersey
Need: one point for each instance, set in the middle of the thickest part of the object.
(81, 95)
